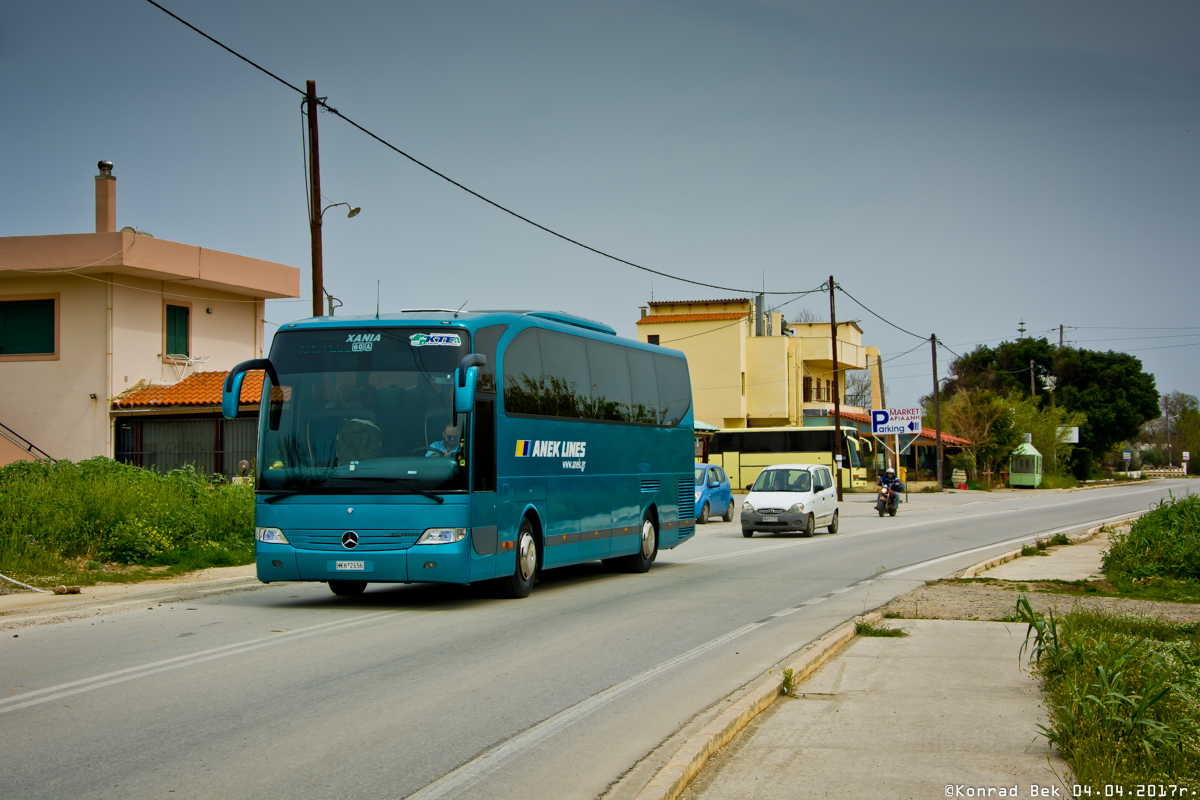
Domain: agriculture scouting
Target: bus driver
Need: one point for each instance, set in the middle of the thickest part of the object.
(447, 445)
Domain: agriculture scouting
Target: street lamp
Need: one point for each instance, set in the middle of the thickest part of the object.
(354, 211)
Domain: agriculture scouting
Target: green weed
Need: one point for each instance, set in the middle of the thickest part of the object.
(1121, 693)
(788, 687)
(867, 629)
(100, 512)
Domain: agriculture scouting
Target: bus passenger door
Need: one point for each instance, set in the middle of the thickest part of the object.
(485, 540)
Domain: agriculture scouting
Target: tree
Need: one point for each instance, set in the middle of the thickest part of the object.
(983, 419)
(1048, 425)
(1113, 392)
(1003, 369)
(1187, 431)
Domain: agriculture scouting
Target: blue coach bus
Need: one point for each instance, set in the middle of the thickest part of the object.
(460, 447)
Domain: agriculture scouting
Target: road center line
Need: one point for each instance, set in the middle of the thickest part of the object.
(478, 768)
(32, 698)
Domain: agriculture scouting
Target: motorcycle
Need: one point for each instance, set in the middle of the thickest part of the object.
(888, 500)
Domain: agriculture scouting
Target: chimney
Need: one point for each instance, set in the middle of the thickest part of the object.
(759, 308)
(106, 199)
(644, 310)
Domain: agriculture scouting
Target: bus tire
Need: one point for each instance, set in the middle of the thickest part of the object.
(347, 588)
(833, 523)
(810, 528)
(520, 583)
(704, 512)
(647, 552)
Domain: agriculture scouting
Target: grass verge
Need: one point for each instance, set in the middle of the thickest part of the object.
(99, 520)
(1122, 694)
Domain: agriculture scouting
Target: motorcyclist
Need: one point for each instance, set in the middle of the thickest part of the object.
(888, 480)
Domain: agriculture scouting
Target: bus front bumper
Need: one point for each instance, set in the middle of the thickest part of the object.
(442, 563)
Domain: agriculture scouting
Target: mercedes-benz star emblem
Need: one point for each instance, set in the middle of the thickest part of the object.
(349, 540)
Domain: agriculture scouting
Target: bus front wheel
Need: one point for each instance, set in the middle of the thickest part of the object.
(347, 588)
(520, 583)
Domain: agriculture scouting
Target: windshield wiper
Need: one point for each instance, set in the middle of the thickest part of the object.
(413, 489)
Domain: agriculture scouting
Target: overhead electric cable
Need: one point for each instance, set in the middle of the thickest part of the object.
(838, 286)
(325, 105)
(742, 319)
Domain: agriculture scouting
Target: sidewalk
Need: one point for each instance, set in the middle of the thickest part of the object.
(951, 706)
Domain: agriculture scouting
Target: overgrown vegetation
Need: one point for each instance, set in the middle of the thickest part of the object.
(1160, 548)
(1121, 694)
(88, 516)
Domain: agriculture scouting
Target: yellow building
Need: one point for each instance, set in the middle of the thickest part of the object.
(752, 373)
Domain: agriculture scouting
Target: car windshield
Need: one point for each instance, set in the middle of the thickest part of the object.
(699, 476)
(783, 480)
(361, 409)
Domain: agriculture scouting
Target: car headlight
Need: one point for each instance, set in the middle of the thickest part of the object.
(747, 507)
(442, 535)
(797, 509)
(270, 535)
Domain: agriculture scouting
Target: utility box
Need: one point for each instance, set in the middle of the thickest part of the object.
(1025, 465)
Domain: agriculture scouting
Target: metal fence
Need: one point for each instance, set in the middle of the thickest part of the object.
(210, 444)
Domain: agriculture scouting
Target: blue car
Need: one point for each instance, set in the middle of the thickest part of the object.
(713, 495)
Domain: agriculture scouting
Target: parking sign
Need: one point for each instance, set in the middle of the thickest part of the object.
(895, 421)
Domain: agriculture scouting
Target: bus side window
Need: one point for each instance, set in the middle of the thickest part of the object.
(523, 374)
(645, 387)
(565, 374)
(485, 344)
(611, 390)
(484, 462)
(674, 389)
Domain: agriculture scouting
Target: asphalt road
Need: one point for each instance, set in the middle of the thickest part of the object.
(288, 691)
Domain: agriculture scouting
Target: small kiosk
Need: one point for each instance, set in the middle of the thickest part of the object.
(1025, 465)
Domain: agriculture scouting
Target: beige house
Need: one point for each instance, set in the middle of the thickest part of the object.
(744, 377)
(85, 317)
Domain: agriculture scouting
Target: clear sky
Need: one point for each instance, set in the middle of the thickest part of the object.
(956, 166)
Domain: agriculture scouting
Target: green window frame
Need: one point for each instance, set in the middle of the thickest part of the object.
(27, 327)
(178, 340)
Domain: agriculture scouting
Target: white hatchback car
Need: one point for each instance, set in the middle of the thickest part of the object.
(791, 497)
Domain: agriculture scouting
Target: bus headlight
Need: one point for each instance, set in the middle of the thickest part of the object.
(747, 507)
(442, 536)
(797, 509)
(270, 535)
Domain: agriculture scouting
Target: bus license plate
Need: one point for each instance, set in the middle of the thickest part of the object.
(353, 566)
(770, 519)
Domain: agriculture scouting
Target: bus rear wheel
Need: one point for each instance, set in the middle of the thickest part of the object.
(644, 557)
(520, 583)
(347, 588)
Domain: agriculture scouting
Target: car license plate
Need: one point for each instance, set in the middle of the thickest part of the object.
(350, 566)
(770, 519)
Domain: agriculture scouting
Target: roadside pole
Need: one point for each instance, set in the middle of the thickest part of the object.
(937, 410)
(314, 211)
(837, 405)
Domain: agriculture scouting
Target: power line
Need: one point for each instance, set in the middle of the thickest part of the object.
(325, 105)
(739, 321)
(838, 286)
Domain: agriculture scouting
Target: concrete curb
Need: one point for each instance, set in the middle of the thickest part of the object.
(984, 566)
(674, 776)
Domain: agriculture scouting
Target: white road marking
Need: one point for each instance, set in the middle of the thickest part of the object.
(478, 768)
(32, 698)
(843, 589)
(814, 601)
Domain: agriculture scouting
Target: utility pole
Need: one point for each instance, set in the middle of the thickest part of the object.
(314, 212)
(837, 404)
(1060, 333)
(937, 410)
(1032, 384)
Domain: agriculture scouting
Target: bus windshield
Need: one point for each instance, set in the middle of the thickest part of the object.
(783, 480)
(360, 409)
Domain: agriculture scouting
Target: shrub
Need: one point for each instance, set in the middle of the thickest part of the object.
(100, 509)
(1164, 543)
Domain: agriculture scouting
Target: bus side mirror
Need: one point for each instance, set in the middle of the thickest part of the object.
(232, 391)
(464, 389)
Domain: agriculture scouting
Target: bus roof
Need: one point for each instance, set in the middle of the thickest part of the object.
(439, 316)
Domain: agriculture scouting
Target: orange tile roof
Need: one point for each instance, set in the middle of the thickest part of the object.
(926, 433)
(197, 389)
(654, 318)
(699, 302)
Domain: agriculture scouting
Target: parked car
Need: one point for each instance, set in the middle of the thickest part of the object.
(791, 497)
(713, 494)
